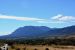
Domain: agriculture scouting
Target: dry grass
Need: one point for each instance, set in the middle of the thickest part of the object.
(40, 47)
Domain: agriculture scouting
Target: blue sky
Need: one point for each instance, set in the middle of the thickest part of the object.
(50, 13)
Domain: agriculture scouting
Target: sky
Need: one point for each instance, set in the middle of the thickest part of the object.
(50, 13)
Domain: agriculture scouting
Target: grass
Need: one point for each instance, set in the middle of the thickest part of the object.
(40, 47)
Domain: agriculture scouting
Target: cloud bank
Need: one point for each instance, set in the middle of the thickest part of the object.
(59, 19)
(55, 19)
(63, 18)
(20, 18)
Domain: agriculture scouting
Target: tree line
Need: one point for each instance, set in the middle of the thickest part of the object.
(54, 41)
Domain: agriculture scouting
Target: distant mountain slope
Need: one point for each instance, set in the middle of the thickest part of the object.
(70, 30)
(29, 32)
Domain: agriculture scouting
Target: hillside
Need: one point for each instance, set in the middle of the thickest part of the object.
(31, 32)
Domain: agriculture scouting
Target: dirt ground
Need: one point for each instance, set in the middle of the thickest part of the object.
(40, 47)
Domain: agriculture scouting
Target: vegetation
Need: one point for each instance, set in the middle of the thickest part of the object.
(35, 49)
(54, 41)
(46, 49)
(18, 49)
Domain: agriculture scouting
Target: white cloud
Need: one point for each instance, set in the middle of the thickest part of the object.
(55, 19)
(20, 18)
(59, 19)
(50, 22)
(67, 18)
(63, 18)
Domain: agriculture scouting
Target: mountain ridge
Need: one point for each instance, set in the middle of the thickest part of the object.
(29, 32)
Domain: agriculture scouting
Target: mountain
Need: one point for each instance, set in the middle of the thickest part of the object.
(70, 30)
(31, 32)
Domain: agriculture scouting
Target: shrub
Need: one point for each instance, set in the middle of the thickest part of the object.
(46, 49)
(13, 47)
(24, 48)
(18, 49)
(35, 49)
